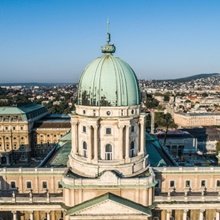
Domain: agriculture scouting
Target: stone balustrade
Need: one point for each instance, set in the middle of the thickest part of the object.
(31, 198)
(182, 197)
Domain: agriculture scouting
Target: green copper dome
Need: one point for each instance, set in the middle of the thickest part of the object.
(108, 81)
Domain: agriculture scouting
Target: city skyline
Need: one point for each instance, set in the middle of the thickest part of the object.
(52, 41)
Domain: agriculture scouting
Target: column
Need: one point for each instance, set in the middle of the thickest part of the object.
(201, 214)
(168, 214)
(66, 217)
(89, 144)
(185, 211)
(48, 215)
(14, 215)
(150, 196)
(142, 134)
(127, 145)
(74, 137)
(95, 143)
(152, 122)
(31, 215)
(121, 144)
(217, 215)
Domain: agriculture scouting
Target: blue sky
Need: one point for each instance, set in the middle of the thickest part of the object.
(53, 40)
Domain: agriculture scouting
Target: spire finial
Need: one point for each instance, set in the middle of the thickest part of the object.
(108, 48)
(108, 34)
(108, 25)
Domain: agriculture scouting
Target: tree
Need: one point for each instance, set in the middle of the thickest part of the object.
(166, 97)
(150, 102)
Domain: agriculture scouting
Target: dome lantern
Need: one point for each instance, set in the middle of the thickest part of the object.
(108, 48)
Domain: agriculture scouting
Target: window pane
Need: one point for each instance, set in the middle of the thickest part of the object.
(28, 185)
(13, 185)
(44, 185)
(108, 131)
(108, 148)
(187, 183)
(84, 149)
(203, 183)
(108, 152)
(172, 183)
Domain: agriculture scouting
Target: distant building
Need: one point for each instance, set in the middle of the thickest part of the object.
(207, 138)
(197, 119)
(178, 142)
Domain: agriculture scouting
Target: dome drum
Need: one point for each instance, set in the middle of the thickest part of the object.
(104, 111)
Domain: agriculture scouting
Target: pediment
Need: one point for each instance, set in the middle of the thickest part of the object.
(109, 205)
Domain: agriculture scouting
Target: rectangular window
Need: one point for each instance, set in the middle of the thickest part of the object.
(108, 155)
(44, 185)
(60, 185)
(203, 183)
(84, 129)
(108, 130)
(172, 183)
(187, 184)
(28, 185)
(13, 185)
(218, 183)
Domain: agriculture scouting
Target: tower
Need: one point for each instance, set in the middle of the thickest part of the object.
(108, 156)
(108, 128)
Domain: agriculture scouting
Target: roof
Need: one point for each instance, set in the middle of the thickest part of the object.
(174, 134)
(205, 133)
(112, 197)
(60, 158)
(66, 137)
(205, 114)
(52, 124)
(108, 81)
(53, 121)
(57, 116)
(157, 157)
(25, 112)
(24, 109)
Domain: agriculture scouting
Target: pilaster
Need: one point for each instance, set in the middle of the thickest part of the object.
(127, 144)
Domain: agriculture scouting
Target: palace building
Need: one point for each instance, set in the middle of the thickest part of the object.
(27, 130)
(101, 168)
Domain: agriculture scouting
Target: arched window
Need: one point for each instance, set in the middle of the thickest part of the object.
(132, 149)
(84, 149)
(108, 152)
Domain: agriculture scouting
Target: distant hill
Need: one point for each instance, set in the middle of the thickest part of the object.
(31, 84)
(194, 77)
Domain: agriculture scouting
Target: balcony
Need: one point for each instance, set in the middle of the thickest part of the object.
(187, 196)
(36, 198)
